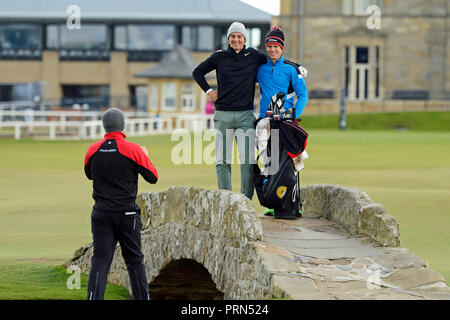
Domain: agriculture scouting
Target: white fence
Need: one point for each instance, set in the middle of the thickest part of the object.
(32, 115)
(58, 124)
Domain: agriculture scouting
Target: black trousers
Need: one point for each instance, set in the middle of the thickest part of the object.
(107, 229)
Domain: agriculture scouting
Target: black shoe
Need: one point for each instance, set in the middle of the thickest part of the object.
(285, 216)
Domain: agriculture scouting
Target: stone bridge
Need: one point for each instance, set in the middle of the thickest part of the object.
(201, 244)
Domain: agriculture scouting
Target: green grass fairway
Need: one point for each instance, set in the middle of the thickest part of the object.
(416, 121)
(33, 281)
(46, 199)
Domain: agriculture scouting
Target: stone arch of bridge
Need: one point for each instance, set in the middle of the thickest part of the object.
(216, 229)
(204, 240)
(184, 279)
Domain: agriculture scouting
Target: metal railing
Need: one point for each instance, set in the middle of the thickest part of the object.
(20, 54)
(84, 54)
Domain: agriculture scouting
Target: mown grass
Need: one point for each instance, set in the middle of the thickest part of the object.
(416, 121)
(33, 281)
(46, 199)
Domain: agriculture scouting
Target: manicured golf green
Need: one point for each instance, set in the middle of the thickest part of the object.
(46, 199)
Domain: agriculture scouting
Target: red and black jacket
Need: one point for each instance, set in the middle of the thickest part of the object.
(114, 164)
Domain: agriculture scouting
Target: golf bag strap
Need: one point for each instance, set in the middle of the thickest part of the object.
(294, 113)
(298, 191)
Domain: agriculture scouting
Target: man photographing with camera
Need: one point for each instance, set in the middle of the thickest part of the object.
(114, 165)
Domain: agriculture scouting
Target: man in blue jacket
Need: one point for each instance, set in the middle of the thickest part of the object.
(280, 75)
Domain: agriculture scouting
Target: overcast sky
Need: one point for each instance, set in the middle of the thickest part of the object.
(271, 6)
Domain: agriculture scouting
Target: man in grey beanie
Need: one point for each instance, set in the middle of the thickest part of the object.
(113, 120)
(236, 70)
(114, 165)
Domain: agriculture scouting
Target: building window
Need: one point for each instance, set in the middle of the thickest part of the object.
(20, 41)
(20, 36)
(153, 101)
(88, 43)
(220, 38)
(187, 37)
(362, 72)
(188, 97)
(137, 98)
(169, 92)
(357, 7)
(23, 92)
(151, 37)
(141, 98)
(196, 38)
(254, 35)
(52, 36)
(6, 93)
(205, 38)
(120, 37)
(362, 69)
(92, 97)
(362, 54)
(90, 36)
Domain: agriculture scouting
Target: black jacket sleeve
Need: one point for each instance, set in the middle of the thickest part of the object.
(296, 66)
(88, 169)
(149, 175)
(144, 166)
(262, 58)
(203, 69)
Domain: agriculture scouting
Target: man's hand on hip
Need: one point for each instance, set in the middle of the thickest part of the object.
(213, 95)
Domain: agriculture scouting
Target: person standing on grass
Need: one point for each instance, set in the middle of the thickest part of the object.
(236, 70)
(114, 165)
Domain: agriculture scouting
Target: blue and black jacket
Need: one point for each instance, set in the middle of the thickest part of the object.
(281, 76)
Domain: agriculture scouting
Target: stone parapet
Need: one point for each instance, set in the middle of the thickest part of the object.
(353, 210)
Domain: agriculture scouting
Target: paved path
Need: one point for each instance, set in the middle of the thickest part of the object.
(313, 258)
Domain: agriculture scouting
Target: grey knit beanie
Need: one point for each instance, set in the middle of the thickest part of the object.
(237, 27)
(113, 120)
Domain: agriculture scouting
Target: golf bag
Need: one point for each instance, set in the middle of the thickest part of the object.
(277, 186)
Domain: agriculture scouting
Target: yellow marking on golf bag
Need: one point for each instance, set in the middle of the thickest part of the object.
(281, 191)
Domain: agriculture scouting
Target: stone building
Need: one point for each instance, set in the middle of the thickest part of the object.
(388, 54)
(170, 83)
(84, 51)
